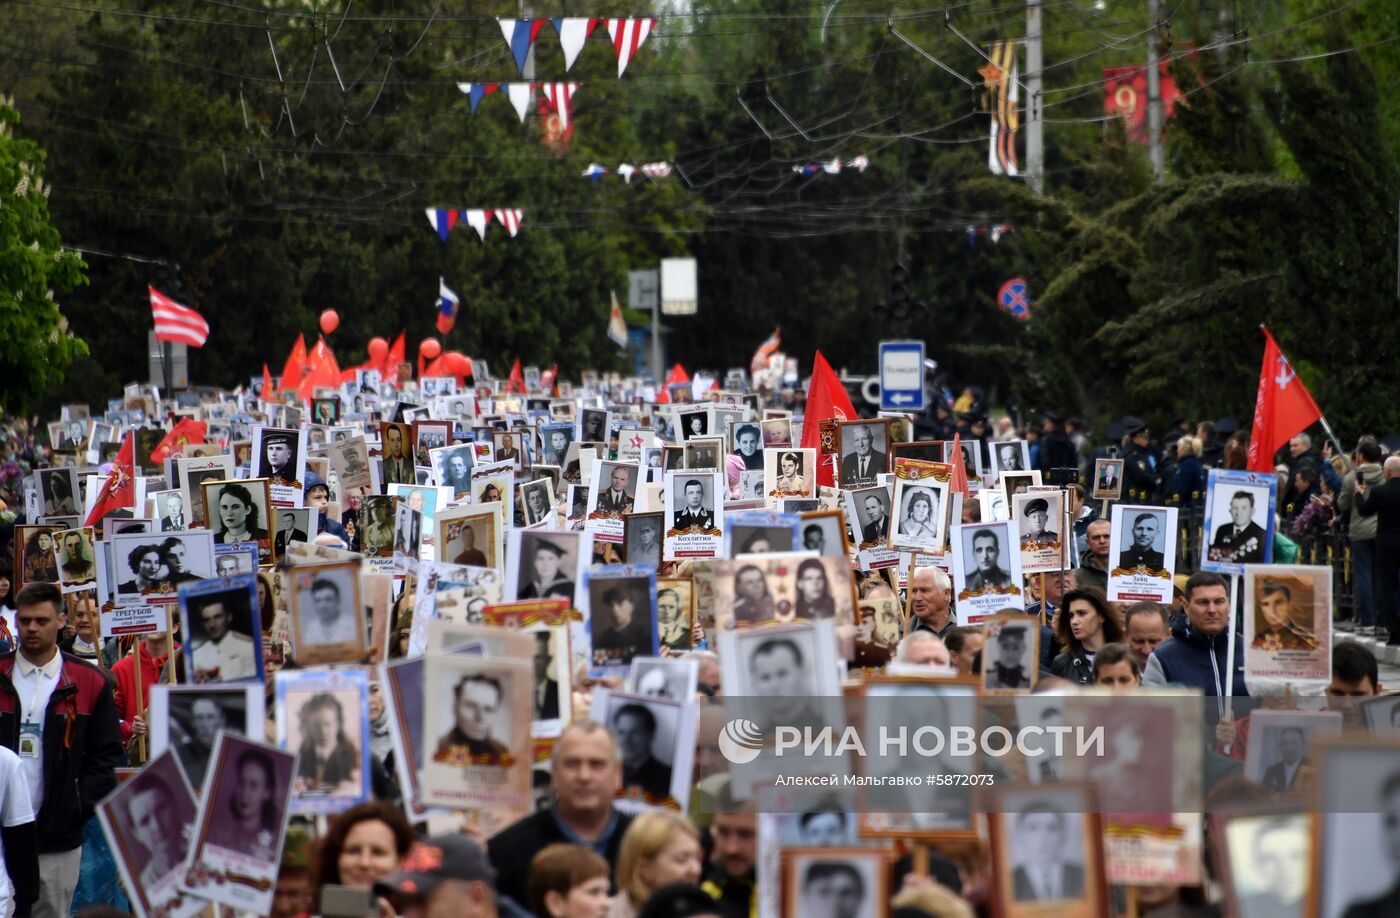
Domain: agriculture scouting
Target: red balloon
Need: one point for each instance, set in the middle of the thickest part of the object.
(378, 349)
(430, 348)
(330, 321)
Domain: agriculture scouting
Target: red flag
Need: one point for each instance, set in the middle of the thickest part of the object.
(960, 484)
(187, 431)
(826, 399)
(119, 490)
(267, 392)
(323, 371)
(548, 377)
(389, 370)
(677, 375)
(516, 382)
(768, 348)
(1282, 408)
(291, 370)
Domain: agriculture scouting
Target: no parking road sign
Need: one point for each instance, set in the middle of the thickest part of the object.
(902, 376)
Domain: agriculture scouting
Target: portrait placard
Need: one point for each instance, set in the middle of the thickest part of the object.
(148, 822)
(612, 495)
(473, 535)
(921, 495)
(755, 532)
(864, 452)
(1282, 745)
(868, 514)
(1010, 653)
(187, 719)
(641, 543)
(850, 882)
(1040, 518)
(1355, 867)
(544, 565)
(656, 739)
(222, 629)
(694, 518)
(1143, 553)
(279, 455)
(476, 749)
(36, 554)
(1288, 622)
(1108, 479)
(1239, 521)
(240, 512)
(151, 567)
(986, 566)
(781, 588)
(1047, 855)
(396, 454)
(323, 716)
(620, 618)
(1010, 456)
(789, 473)
(327, 613)
(675, 612)
(242, 825)
(191, 473)
(1264, 861)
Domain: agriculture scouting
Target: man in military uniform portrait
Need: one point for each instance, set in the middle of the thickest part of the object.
(1273, 622)
(986, 557)
(694, 515)
(1140, 553)
(1037, 516)
(1240, 541)
(476, 699)
(1008, 670)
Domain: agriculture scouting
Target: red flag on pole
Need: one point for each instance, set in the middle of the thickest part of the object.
(389, 370)
(119, 490)
(267, 392)
(187, 431)
(826, 399)
(291, 370)
(960, 484)
(677, 375)
(1282, 408)
(516, 382)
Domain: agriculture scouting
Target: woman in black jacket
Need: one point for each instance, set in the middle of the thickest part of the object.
(1083, 626)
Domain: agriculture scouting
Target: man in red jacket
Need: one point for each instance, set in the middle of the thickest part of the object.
(58, 715)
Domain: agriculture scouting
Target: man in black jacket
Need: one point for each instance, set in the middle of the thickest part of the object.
(586, 774)
(57, 712)
(1384, 504)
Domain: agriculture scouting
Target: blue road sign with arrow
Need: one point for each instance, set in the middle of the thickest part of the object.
(902, 376)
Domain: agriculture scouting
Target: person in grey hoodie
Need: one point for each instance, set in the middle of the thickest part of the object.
(1362, 531)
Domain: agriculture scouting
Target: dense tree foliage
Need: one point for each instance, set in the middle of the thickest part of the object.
(281, 155)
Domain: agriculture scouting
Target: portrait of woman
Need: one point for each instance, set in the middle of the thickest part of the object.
(39, 560)
(790, 479)
(60, 496)
(237, 516)
(918, 523)
(250, 826)
(490, 493)
(814, 599)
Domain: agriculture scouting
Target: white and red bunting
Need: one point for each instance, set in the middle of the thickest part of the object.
(627, 36)
(478, 218)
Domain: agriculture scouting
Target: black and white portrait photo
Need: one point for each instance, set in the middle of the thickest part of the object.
(1010, 456)
(542, 565)
(593, 425)
(1046, 848)
(537, 500)
(986, 567)
(1009, 653)
(971, 457)
(395, 448)
(550, 694)
(509, 447)
(1239, 519)
(663, 677)
(690, 500)
(1142, 542)
(642, 539)
(170, 510)
(836, 883)
(614, 488)
(187, 719)
(322, 716)
(556, 439)
(870, 513)
(222, 631)
(704, 453)
(864, 448)
(192, 473)
(923, 513)
(790, 473)
(152, 566)
(328, 623)
(651, 737)
(280, 455)
(758, 538)
(376, 525)
(1358, 840)
(1281, 745)
(293, 525)
(747, 444)
(822, 531)
(77, 564)
(452, 467)
(692, 423)
(622, 617)
(1269, 863)
(675, 611)
(241, 511)
(58, 492)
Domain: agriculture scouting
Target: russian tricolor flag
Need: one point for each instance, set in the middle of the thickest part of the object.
(447, 307)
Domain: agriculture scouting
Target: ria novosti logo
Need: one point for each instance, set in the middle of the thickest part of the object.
(741, 741)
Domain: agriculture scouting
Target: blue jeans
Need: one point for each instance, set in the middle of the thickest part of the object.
(1363, 562)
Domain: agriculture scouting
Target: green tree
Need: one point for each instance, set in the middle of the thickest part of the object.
(36, 345)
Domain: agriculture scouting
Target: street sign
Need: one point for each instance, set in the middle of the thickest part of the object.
(901, 376)
(643, 290)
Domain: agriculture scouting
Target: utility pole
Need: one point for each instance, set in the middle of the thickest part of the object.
(1154, 97)
(1035, 139)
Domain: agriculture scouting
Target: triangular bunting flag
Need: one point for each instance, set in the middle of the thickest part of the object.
(627, 36)
(477, 219)
(572, 35)
(520, 96)
(477, 91)
(442, 220)
(626, 170)
(560, 97)
(594, 171)
(617, 326)
(510, 219)
(520, 35)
